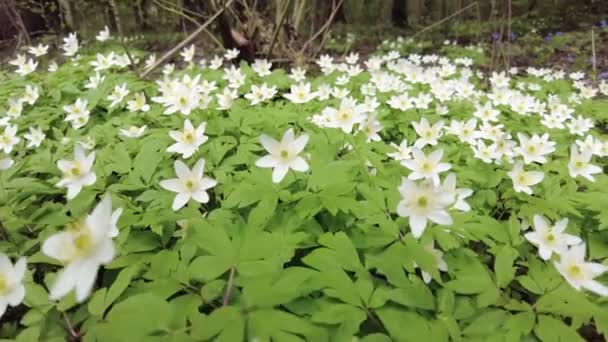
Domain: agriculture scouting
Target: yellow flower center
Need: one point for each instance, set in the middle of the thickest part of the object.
(284, 154)
(550, 238)
(182, 101)
(423, 201)
(428, 134)
(3, 284)
(75, 171)
(575, 271)
(531, 149)
(579, 164)
(522, 178)
(190, 184)
(83, 240)
(344, 115)
(189, 138)
(426, 167)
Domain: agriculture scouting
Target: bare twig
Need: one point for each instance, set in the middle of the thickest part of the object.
(73, 333)
(593, 58)
(277, 29)
(190, 19)
(187, 40)
(457, 13)
(509, 34)
(229, 286)
(323, 28)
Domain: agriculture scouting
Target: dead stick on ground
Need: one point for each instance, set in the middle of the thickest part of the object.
(186, 41)
(277, 29)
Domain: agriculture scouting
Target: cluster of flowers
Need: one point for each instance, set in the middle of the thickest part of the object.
(87, 244)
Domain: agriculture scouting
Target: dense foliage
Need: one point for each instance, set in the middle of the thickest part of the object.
(410, 198)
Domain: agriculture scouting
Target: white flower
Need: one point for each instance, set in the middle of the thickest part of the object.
(371, 126)
(231, 54)
(523, 180)
(133, 131)
(551, 239)
(83, 247)
(53, 66)
(103, 62)
(403, 152)
(345, 117)
(460, 194)
(103, 35)
(283, 155)
(27, 68)
(70, 45)
(535, 148)
(31, 94)
(464, 131)
(39, 50)
(422, 202)
(6, 163)
(438, 256)
(188, 184)
(188, 53)
(298, 74)
(234, 76)
(138, 103)
(426, 167)
(15, 107)
(77, 173)
(188, 140)
(428, 134)
(580, 126)
(8, 138)
(78, 114)
(261, 67)
(579, 164)
(578, 273)
(226, 98)
(300, 93)
(12, 290)
(216, 62)
(118, 94)
(34, 137)
(150, 61)
(260, 93)
(94, 81)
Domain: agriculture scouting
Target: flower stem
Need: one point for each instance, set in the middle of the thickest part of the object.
(229, 286)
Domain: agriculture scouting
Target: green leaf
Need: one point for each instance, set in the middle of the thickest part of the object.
(554, 330)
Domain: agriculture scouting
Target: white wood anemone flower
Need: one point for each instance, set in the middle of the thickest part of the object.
(580, 274)
(188, 140)
(83, 247)
(422, 202)
(551, 239)
(77, 173)
(283, 155)
(523, 180)
(12, 290)
(189, 184)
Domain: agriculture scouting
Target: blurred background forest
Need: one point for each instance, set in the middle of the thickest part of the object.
(497, 33)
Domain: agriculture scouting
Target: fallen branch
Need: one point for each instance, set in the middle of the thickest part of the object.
(186, 41)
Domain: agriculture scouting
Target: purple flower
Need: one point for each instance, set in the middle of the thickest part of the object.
(558, 33)
(495, 36)
(513, 35)
(603, 23)
(548, 37)
(603, 75)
